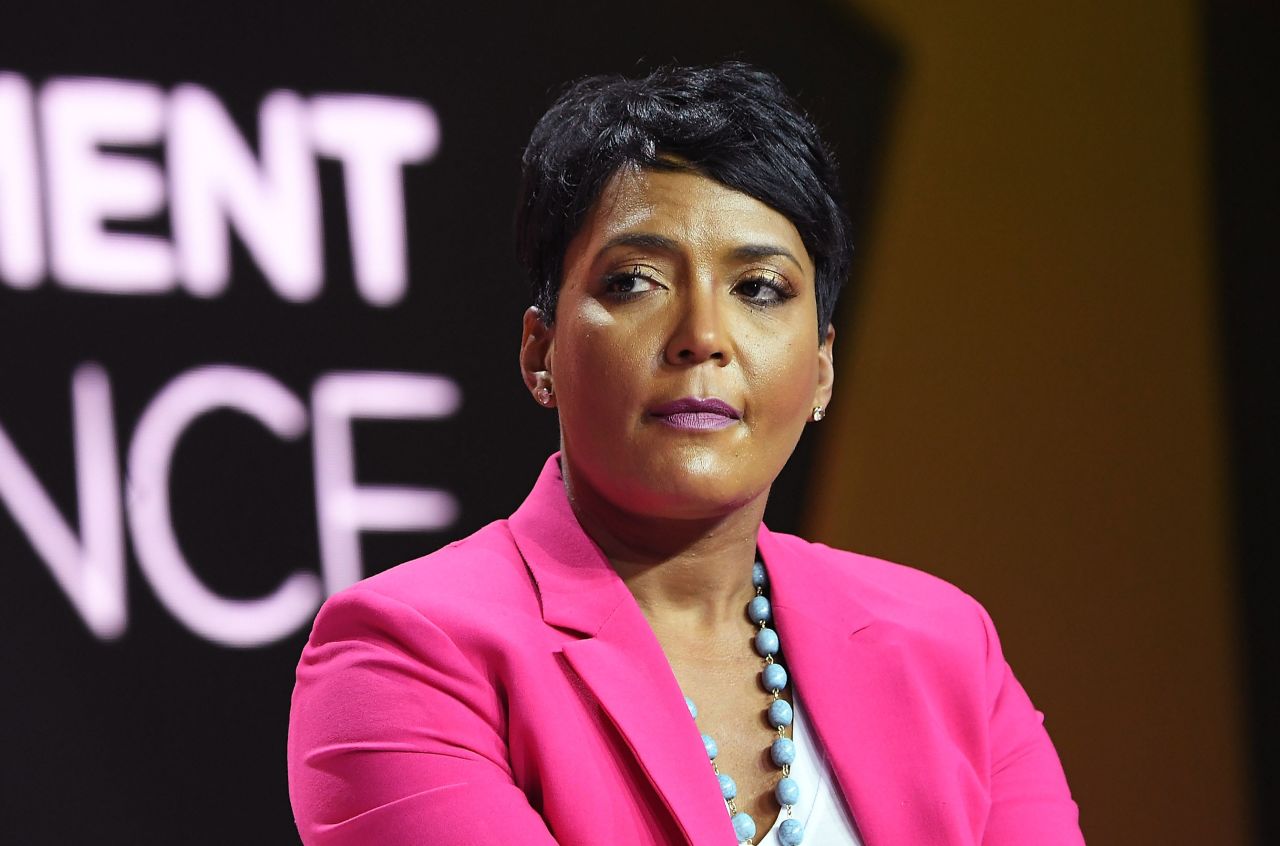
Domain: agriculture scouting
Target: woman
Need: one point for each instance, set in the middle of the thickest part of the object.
(584, 672)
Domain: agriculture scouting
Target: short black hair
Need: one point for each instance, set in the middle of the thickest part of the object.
(731, 122)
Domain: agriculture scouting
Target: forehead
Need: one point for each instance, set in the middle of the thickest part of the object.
(699, 213)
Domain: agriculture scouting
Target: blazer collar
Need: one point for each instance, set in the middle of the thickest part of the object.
(577, 587)
(619, 660)
(804, 582)
(850, 672)
(579, 590)
(855, 674)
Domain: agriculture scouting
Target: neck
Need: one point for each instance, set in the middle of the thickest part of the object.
(688, 573)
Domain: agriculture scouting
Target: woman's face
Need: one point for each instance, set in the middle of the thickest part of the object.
(684, 359)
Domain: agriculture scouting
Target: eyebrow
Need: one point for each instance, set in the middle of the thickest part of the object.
(652, 240)
(641, 239)
(756, 251)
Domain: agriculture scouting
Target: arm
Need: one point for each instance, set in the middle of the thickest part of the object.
(396, 737)
(1030, 801)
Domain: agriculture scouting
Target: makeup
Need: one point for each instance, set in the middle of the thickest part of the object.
(692, 413)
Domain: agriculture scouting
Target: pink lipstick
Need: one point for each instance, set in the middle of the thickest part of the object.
(696, 414)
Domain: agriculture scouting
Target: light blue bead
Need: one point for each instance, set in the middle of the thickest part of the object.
(757, 574)
(780, 713)
(774, 677)
(783, 751)
(728, 787)
(790, 833)
(712, 749)
(693, 709)
(766, 642)
(743, 826)
(758, 609)
(787, 791)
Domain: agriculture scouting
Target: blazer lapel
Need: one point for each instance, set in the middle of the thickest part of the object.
(853, 674)
(857, 687)
(618, 657)
(626, 670)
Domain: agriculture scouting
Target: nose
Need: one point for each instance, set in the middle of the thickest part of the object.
(699, 333)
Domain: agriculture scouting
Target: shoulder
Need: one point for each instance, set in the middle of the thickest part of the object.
(472, 592)
(879, 582)
(944, 633)
(484, 568)
(888, 592)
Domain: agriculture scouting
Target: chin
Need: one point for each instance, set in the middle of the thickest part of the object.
(695, 484)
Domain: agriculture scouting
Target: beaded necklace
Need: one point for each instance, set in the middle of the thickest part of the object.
(783, 749)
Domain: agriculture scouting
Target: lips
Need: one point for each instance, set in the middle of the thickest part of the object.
(692, 413)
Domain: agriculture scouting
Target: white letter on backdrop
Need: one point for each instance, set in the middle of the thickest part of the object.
(375, 137)
(274, 206)
(345, 508)
(89, 569)
(21, 250)
(232, 622)
(88, 186)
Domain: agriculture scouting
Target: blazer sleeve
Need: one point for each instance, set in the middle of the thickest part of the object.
(1030, 800)
(397, 737)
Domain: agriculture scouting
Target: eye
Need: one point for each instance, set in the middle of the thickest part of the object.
(764, 290)
(629, 283)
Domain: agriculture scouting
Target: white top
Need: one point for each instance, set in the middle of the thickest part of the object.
(821, 809)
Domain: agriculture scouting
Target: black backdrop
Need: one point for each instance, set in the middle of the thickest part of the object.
(161, 734)
(1242, 72)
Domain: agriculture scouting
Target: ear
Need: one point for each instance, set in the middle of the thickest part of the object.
(826, 369)
(535, 356)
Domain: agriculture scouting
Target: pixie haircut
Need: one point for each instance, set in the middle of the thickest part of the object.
(731, 122)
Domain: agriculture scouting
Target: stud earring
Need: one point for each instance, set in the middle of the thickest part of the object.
(544, 394)
(818, 414)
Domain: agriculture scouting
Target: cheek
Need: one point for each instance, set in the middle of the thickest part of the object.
(597, 359)
(784, 377)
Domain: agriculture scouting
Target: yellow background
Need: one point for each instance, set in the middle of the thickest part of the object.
(1028, 399)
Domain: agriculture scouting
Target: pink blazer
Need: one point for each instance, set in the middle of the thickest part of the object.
(508, 690)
